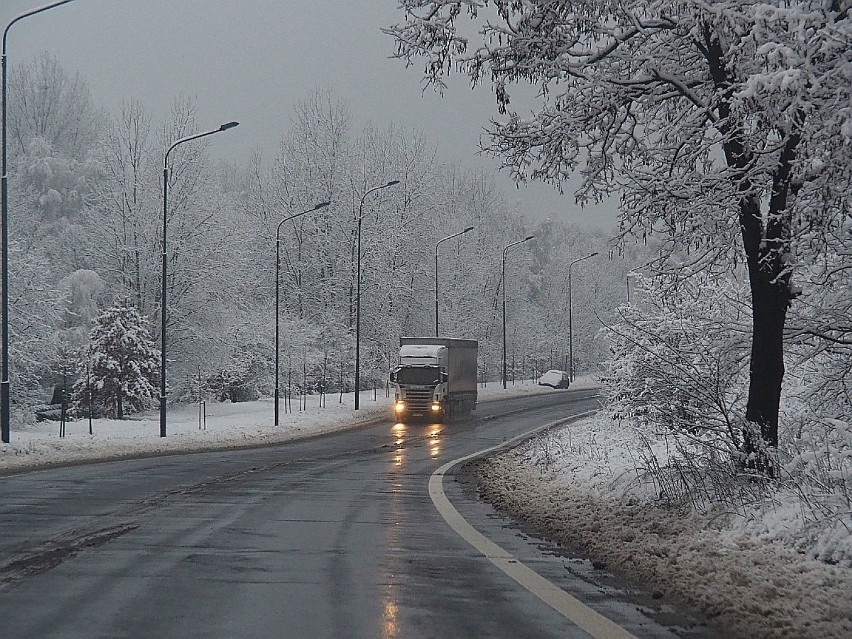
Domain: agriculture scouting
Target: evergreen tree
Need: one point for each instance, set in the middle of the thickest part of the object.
(124, 365)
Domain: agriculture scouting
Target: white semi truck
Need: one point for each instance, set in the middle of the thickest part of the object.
(435, 378)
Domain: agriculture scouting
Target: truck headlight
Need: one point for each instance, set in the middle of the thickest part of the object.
(399, 407)
(436, 407)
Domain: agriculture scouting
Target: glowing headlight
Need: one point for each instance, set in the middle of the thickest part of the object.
(436, 407)
(399, 407)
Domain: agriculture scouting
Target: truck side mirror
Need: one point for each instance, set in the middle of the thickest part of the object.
(393, 376)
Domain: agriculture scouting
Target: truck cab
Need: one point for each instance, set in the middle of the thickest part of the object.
(420, 381)
(435, 378)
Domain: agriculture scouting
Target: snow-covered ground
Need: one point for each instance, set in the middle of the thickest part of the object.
(227, 426)
(577, 482)
(744, 571)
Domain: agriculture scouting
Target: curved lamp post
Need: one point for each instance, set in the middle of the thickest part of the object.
(277, 295)
(449, 237)
(358, 292)
(570, 319)
(503, 279)
(5, 411)
(194, 136)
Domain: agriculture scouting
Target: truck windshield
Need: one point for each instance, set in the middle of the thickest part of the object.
(418, 375)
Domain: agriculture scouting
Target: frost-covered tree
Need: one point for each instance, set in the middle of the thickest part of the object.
(36, 307)
(123, 215)
(49, 103)
(124, 365)
(206, 240)
(726, 126)
(52, 126)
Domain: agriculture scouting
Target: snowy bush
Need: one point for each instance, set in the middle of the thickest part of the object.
(677, 377)
(237, 382)
(679, 362)
(816, 444)
(816, 457)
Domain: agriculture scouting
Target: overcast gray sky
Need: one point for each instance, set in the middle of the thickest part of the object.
(254, 60)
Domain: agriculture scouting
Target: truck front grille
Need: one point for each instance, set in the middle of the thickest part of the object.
(418, 400)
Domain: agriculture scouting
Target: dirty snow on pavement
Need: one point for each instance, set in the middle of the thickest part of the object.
(743, 571)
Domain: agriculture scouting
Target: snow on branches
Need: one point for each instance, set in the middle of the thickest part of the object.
(123, 365)
(678, 361)
(724, 126)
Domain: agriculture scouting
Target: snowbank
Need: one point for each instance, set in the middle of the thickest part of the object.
(227, 426)
(744, 574)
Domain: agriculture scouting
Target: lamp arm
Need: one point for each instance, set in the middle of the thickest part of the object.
(194, 136)
(27, 14)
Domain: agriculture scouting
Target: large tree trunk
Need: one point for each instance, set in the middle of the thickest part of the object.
(766, 243)
(766, 372)
(770, 298)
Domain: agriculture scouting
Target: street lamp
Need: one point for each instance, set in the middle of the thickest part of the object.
(5, 412)
(503, 279)
(449, 237)
(358, 292)
(194, 136)
(570, 319)
(277, 296)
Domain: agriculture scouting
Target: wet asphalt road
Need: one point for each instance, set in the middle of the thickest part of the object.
(329, 537)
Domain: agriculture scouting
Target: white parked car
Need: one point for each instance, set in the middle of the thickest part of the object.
(555, 379)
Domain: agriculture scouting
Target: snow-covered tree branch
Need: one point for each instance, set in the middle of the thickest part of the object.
(725, 127)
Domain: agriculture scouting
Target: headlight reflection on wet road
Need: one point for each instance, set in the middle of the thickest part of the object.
(402, 434)
(435, 431)
(398, 431)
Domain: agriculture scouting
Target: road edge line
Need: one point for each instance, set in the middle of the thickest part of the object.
(584, 617)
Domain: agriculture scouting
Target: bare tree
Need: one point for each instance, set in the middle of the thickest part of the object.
(123, 213)
(48, 103)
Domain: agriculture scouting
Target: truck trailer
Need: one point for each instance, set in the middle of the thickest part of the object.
(435, 378)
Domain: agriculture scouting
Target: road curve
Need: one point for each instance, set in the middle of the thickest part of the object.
(329, 537)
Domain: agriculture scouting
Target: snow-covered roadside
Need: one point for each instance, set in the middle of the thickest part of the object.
(227, 426)
(578, 483)
(575, 483)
